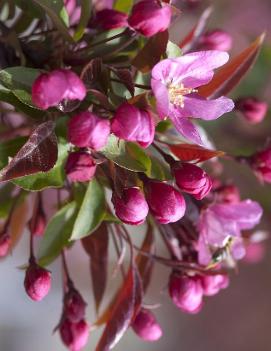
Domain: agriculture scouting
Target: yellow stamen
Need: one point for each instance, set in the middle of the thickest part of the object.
(177, 93)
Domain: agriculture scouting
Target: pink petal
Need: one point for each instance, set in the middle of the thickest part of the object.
(198, 107)
(162, 100)
(186, 128)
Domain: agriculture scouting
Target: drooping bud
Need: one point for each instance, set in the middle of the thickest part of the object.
(80, 167)
(216, 39)
(39, 224)
(261, 164)
(49, 89)
(166, 204)
(133, 124)
(37, 282)
(146, 327)
(111, 19)
(88, 130)
(131, 207)
(150, 17)
(5, 241)
(228, 193)
(212, 284)
(186, 292)
(252, 109)
(74, 335)
(192, 179)
(74, 306)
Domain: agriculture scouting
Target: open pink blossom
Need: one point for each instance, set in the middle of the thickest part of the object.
(220, 223)
(174, 83)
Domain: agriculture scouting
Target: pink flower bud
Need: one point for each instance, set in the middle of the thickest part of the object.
(228, 194)
(5, 242)
(49, 89)
(80, 167)
(166, 204)
(146, 327)
(261, 164)
(131, 207)
(88, 130)
(37, 282)
(74, 306)
(216, 39)
(39, 225)
(192, 179)
(186, 292)
(74, 335)
(212, 284)
(148, 17)
(252, 109)
(254, 252)
(111, 19)
(133, 124)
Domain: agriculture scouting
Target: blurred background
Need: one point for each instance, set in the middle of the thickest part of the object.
(238, 318)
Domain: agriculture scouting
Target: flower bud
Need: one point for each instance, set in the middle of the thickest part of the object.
(254, 252)
(192, 179)
(146, 326)
(131, 207)
(74, 306)
(39, 224)
(111, 19)
(228, 194)
(148, 17)
(37, 282)
(5, 242)
(74, 335)
(216, 39)
(49, 89)
(166, 204)
(252, 109)
(212, 284)
(261, 164)
(80, 167)
(133, 124)
(186, 292)
(88, 130)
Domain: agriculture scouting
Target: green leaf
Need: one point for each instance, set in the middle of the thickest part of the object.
(127, 155)
(158, 170)
(5, 193)
(123, 6)
(85, 14)
(9, 149)
(91, 212)
(57, 234)
(53, 179)
(56, 10)
(173, 50)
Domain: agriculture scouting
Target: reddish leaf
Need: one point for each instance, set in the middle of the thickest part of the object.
(96, 246)
(121, 314)
(189, 42)
(91, 73)
(151, 53)
(126, 78)
(145, 263)
(227, 77)
(38, 154)
(190, 152)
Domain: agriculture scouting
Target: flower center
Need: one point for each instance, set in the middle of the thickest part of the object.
(177, 93)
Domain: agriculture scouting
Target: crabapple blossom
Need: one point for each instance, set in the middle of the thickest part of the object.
(146, 327)
(80, 166)
(37, 282)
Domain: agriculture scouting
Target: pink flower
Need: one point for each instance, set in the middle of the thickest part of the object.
(133, 124)
(254, 252)
(174, 83)
(37, 282)
(49, 89)
(186, 292)
(131, 207)
(166, 204)
(5, 241)
(146, 327)
(192, 179)
(80, 167)
(261, 164)
(216, 39)
(111, 19)
(74, 306)
(150, 17)
(252, 109)
(73, 11)
(221, 224)
(212, 284)
(88, 130)
(74, 335)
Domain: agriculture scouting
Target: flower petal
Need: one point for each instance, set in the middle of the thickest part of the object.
(186, 128)
(162, 100)
(198, 107)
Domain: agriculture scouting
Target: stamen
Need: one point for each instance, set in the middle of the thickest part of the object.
(176, 94)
